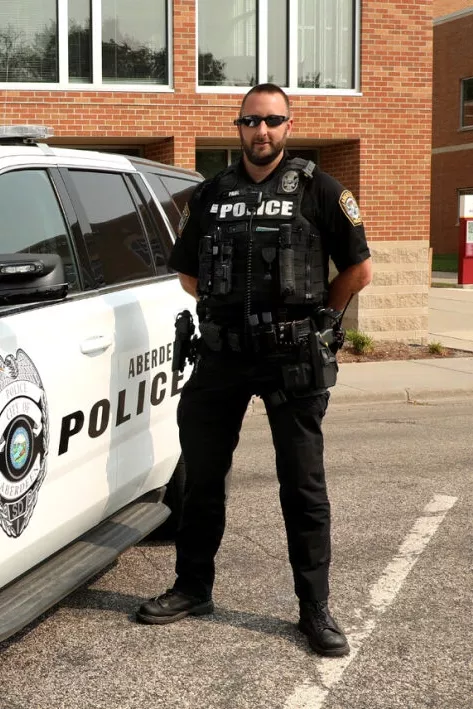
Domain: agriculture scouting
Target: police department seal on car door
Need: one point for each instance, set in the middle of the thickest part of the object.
(24, 440)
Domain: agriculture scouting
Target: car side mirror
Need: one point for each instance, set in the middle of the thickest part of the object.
(26, 278)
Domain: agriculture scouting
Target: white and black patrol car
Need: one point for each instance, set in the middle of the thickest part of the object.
(88, 434)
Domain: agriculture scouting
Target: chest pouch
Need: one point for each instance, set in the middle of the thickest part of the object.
(215, 263)
(287, 277)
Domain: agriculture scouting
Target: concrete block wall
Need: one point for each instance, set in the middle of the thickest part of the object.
(395, 305)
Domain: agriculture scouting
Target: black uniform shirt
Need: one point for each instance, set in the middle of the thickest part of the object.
(326, 203)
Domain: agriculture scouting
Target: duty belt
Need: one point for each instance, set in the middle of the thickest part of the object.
(263, 337)
(307, 355)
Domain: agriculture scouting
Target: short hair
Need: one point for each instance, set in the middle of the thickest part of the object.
(266, 89)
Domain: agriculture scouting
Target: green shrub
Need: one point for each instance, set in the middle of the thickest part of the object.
(445, 262)
(360, 342)
(435, 348)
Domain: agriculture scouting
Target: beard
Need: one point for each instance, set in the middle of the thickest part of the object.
(258, 159)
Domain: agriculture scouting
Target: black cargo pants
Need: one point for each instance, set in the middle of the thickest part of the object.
(210, 413)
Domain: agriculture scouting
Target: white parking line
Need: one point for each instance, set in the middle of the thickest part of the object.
(312, 696)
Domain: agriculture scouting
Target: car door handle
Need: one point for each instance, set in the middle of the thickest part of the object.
(100, 343)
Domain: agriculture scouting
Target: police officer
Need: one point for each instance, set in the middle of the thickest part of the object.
(253, 249)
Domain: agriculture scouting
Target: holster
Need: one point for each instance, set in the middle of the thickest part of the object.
(184, 346)
(297, 377)
(317, 366)
(324, 362)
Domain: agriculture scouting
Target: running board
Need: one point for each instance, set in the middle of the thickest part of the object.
(25, 599)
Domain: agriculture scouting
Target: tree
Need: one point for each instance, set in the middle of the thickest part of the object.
(13, 55)
(79, 51)
(121, 61)
(45, 60)
(211, 70)
(312, 81)
(21, 60)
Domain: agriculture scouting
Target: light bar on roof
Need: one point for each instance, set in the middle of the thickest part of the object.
(25, 132)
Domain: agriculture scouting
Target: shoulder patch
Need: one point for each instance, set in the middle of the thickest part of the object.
(350, 207)
(186, 212)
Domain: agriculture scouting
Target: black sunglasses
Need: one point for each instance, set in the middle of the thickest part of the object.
(254, 121)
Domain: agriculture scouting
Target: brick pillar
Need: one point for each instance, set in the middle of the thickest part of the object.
(185, 32)
(161, 152)
(395, 306)
(184, 151)
(178, 151)
(343, 163)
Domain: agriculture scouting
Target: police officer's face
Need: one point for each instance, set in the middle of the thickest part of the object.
(262, 144)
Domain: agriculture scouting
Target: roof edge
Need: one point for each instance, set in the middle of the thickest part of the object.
(453, 16)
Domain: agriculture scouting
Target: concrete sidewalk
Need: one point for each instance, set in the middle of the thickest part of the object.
(451, 316)
(412, 380)
(445, 278)
(451, 324)
(416, 380)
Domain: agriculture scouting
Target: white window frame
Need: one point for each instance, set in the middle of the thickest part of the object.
(461, 192)
(96, 84)
(262, 54)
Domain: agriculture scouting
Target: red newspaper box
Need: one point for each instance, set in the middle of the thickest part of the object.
(465, 246)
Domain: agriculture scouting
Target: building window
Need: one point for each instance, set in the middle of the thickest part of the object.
(88, 42)
(80, 41)
(245, 42)
(28, 41)
(461, 192)
(134, 47)
(278, 43)
(325, 44)
(210, 161)
(227, 42)
(467, 103)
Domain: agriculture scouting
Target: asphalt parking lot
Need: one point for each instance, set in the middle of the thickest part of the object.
(400, 481)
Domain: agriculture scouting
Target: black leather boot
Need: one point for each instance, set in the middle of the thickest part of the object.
(171, 606)
(324, 635)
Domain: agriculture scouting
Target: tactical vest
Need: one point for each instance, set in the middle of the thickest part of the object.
(259, 251)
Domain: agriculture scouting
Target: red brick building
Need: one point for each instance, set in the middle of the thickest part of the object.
(452, 143)
(167, 81)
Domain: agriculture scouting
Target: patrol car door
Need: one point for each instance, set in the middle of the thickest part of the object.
(56, 462)
(119, 236)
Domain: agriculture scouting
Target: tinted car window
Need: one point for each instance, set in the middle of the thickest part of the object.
(146, 207)
(179, 189)
(118, 247)
(164, 198)
(31, 219)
